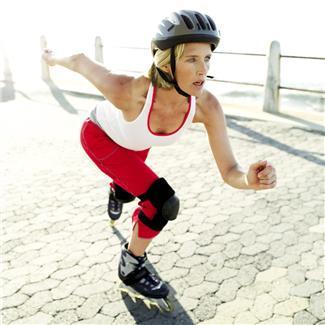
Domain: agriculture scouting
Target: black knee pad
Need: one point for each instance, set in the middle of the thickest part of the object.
(122, 195)
(163, 198)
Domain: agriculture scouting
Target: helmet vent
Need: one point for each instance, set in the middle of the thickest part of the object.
(201, 21)
(212, 24)
(187, 22)
(170, 28)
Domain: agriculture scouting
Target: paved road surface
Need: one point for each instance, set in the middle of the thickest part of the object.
(231, 257)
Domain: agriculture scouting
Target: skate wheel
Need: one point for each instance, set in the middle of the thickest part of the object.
(112, 223)
(165, 305)
(147, 303)
(128, 293)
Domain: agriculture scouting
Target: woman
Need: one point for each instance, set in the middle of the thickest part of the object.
(155, 110)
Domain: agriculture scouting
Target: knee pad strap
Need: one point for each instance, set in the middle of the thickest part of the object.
(163, 198)
(158, 193)
(157, 223)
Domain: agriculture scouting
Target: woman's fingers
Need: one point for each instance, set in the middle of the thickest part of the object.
(48, 56)
(267, 173)
(268, 181)
(267, 186)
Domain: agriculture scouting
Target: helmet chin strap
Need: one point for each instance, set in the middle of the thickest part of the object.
(173, 66)
(172, 80)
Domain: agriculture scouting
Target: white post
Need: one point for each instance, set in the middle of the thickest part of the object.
(271, 90)
(45, 68)
(99, 50)
(8, 91)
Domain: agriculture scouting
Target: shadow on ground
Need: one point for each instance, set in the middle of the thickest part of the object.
(259, 137)
(60, 98)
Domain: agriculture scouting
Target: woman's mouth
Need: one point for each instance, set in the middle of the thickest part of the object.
(198, 84)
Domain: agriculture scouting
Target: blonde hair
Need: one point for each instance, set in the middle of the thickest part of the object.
(162, 58)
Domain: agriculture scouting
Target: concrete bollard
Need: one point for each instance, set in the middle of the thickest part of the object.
(99, 50)
(272, 85)
(45, 71)
(7, 92)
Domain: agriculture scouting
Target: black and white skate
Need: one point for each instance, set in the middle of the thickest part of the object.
(139, 283)
(114, 207)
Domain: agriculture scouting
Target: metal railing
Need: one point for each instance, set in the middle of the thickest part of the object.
(272, 85)
(315, 91)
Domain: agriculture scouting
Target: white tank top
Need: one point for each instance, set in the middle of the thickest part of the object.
(137, 135)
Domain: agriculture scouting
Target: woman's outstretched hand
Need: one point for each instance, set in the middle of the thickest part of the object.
(48, 57)
(261, 176)
(70, 62)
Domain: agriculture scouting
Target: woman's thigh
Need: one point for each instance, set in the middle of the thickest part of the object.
(126, 167)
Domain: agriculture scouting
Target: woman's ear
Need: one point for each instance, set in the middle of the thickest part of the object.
(166, 68)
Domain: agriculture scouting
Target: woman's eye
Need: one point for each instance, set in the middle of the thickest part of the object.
(207, 59)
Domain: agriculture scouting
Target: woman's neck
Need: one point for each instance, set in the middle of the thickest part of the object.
(170, 97)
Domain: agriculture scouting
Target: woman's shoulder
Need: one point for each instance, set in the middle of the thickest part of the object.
(134, 91)
(207, 99)
(140, 86)
(139, 90)
(206, 104)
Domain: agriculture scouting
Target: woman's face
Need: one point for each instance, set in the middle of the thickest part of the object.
(192, 67)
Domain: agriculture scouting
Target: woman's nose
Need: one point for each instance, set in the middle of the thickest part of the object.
(203, 69)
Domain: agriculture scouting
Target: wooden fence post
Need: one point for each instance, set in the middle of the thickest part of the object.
(45, 68)
(99, 50)
(272, 85)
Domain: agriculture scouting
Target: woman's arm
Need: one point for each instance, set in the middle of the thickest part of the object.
(215, 125)
(114, 87)
(259, 176)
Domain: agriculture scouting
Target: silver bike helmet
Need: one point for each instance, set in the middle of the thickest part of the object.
(184, 26)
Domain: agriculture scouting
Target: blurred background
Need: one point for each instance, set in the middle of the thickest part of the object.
(246, 26)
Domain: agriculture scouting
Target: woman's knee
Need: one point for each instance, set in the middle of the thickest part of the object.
(162, 197)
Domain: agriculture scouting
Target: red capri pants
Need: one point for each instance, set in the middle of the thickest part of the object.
(127, 168)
